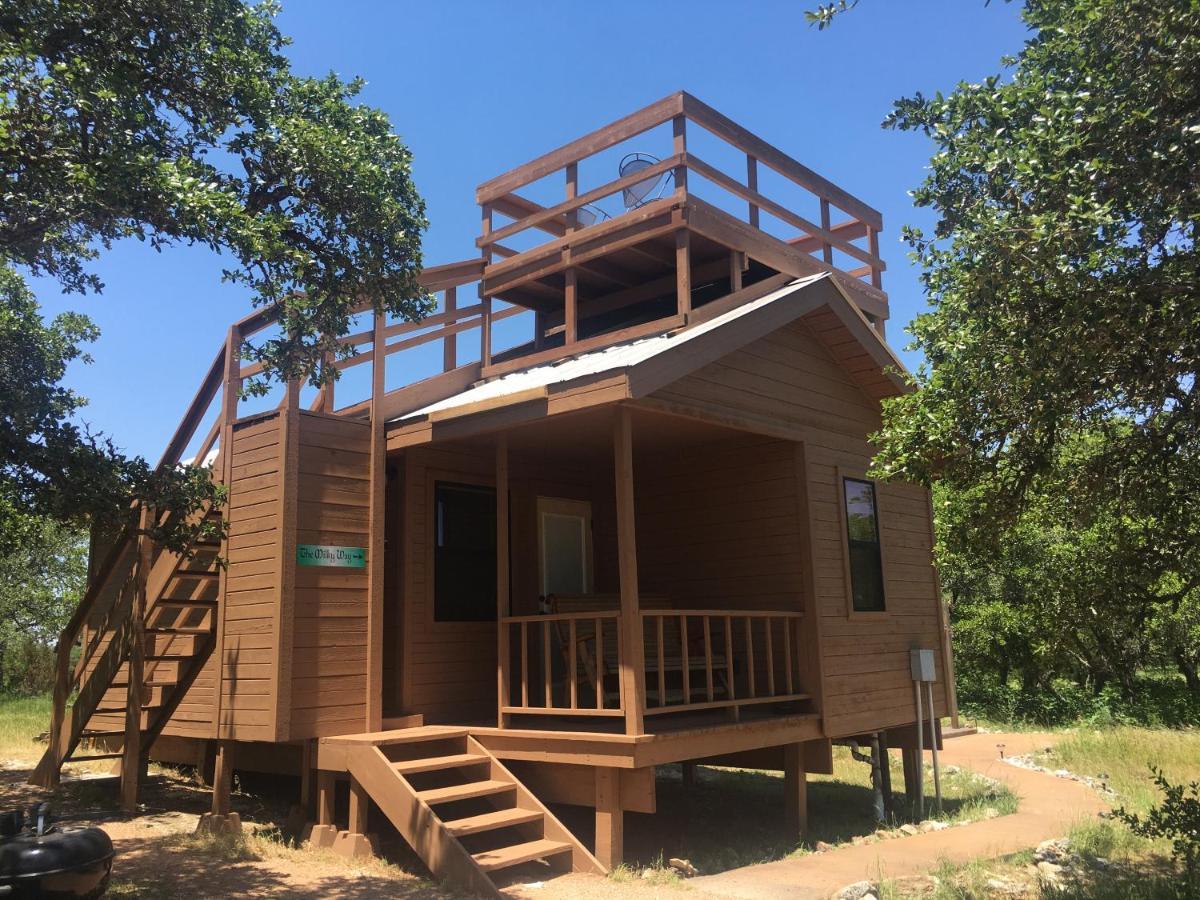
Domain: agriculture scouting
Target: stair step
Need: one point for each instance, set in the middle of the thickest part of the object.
(491, 821)
(491, 860)
(161, 643)
(465, 791)
(98, 756)
(437, 763)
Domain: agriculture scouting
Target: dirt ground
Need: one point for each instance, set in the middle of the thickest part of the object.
(158, 856)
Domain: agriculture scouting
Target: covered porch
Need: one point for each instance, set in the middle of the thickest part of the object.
(649, 577)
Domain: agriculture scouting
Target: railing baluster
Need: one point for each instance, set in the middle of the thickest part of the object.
(750, 656)
(572, 674)
(547, 672)
(770, 660)
(525, 664)
(708, 667)
(787, 652)
(729, 657)
(662, 670)
(685, 666)
(599, 664)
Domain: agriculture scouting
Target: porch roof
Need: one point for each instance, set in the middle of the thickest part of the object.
(717, 331)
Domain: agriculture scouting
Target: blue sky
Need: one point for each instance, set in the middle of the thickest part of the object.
(476, 88)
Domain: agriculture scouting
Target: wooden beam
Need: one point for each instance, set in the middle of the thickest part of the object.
(222, 778)
(632, 651)
(600, 139)
(360, 803)
(502, 579)
(752, 184)
(285, 596)
(325, 797)
(132, 750)
(450, 342)
(610, 818)
(377, 481)
(229, 404)
(571, 308)
(795, 785)
(683, 272)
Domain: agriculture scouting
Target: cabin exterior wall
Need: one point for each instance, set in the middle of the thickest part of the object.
(789, 384)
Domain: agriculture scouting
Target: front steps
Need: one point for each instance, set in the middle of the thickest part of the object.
(467, 817)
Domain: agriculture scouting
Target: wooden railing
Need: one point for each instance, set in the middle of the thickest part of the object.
(701, 659)
(822, 239)
(695, 660)
(564, 664)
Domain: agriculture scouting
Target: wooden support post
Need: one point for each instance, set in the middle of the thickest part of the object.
(223, 779)
(359, 805)
(752, 183)
(737, 265)
(795, 785)
(572, 172)
(285, 562)
(132, 750)
(450, 341)
(873, 245)
(911, 761)
(679, 141)
(610, 820)
(570, 307)
(231, 393)
(683, 272)
(328, 399)
(688, 771)
(502, 604)
(485, 332)
(826, 247)
(632, 648)
(307, 759)
(375, 533)
(325, 791)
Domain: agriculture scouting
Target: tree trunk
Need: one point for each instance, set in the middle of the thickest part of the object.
(1188, 668)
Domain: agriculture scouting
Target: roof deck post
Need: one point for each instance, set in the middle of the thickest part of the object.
(633, 689)
(450, 341)
(502, 601)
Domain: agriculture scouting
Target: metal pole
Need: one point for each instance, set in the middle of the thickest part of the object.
(877, 780)
(920, 755)
(937, 773)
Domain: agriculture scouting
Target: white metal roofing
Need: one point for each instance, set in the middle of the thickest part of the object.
(618, 356)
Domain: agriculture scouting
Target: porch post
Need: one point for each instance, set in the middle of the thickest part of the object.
(502, 602)
(610, 818)
(633, 688)
(375, 525)
(795, 785)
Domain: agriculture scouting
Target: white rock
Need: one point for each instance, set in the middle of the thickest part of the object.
(860, 890)
(934, 825)
(1050, 872)
(909, 828)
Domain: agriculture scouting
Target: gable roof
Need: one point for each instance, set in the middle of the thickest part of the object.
(653, 362)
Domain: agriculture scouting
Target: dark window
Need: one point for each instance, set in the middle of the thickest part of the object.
(862, 537)
(464, 555)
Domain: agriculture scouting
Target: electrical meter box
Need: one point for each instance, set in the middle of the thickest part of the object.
(922, 665)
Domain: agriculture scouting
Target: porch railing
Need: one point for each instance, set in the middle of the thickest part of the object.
(694, 660)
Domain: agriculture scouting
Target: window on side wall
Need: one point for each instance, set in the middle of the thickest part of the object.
(863, 548)
(464, 553)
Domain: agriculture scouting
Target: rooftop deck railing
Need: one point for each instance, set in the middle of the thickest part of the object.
(822, 239)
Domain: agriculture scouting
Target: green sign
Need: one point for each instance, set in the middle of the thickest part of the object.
(337, 557)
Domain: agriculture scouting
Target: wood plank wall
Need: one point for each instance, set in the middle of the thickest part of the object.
(447, 670)
(251, 582)
(329, 646)
(789, 385)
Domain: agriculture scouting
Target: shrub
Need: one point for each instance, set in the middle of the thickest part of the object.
(1176, 819)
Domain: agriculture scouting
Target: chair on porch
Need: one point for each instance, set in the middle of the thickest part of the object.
(604, 671)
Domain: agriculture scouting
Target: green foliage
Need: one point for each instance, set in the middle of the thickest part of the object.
(176, 121)
(1177, 819)
(42, 576)
(824, 14)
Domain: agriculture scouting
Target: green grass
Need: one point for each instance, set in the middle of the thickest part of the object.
(735, 817)
(22, 719)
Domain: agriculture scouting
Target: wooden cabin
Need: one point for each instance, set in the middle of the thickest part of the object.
(623, 521)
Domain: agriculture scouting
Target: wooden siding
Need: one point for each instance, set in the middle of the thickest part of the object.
(789, 385)
(328, 651)
(448, 669)
(250, 603)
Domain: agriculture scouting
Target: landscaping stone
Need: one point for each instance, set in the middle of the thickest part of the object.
(822, 847)
(1052, 873)
(683, 867)
(1004, 886)
(910, 829)
(860, 890)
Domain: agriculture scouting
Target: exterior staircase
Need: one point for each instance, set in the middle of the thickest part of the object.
(177, 634)
(465, 814)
